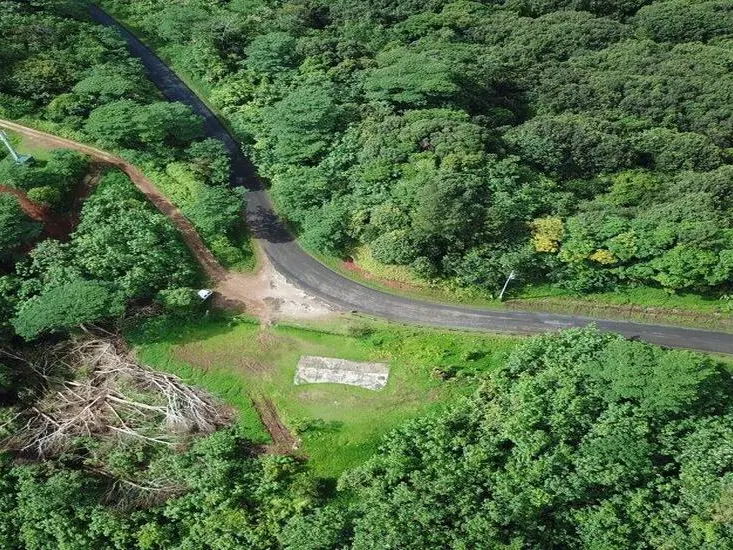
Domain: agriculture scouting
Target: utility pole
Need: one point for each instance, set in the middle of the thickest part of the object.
(19, 159)
(511, 277)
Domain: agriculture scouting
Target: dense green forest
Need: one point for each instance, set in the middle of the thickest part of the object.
(580, 142)
(587, 142)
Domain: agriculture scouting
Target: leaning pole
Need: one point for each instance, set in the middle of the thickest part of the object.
(19, 159)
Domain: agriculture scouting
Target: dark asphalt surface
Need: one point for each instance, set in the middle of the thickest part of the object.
(310, 275)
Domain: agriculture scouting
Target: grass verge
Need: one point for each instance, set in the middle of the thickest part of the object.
(643, 304)
(339, 426)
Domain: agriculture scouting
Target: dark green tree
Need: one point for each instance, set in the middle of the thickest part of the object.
(68, 306)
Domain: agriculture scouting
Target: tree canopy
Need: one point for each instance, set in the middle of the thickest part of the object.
(470, 121)
(584, 440)
(16, 227)
(67, 306)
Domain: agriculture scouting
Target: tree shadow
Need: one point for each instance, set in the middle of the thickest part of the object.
(265, 224)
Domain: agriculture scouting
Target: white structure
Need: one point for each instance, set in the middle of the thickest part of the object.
(205, 293)
(327, 370)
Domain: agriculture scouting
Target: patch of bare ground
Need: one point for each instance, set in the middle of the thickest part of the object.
(269, 296)
(283, 442)
(194, 353)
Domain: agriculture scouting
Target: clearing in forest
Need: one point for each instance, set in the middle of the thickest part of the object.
(252, 368)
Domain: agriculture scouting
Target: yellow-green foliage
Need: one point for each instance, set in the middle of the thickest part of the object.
(547, 234)
(603, 256)
(363, 258)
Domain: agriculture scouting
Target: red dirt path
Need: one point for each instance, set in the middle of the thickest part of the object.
(54, 227)
(210, 265)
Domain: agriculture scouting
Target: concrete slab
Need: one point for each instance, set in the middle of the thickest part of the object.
(327, 370)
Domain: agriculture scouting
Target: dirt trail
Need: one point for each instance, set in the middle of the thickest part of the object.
(283, 442)
(56, 225)
(264, 293)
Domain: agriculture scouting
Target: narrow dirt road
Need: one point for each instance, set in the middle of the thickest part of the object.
(264, 294)
(212, 268)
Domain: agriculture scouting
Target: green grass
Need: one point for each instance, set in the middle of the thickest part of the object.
(27, 146)
(642, 303)
(646, 296)
(155, 341)
(340, 426)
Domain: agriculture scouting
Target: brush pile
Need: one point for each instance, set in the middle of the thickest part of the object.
(108, 395)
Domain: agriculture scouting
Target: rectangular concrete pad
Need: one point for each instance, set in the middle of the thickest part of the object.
(326, 370)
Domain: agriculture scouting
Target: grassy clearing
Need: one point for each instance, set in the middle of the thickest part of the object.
(155, 342)
(340, 426)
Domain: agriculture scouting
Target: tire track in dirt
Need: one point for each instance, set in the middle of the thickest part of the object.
(283, 441)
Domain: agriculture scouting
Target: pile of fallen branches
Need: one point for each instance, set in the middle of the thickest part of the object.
(109, 396)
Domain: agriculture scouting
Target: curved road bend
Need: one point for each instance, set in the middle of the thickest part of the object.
(315, 278)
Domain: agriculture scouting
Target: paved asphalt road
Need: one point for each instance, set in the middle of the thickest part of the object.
(315, 278)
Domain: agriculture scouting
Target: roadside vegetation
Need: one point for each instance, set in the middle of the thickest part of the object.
(121, 251)
(636, 303)
(556, 441)
(463, 140)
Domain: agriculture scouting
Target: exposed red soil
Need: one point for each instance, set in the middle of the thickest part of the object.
(233, 289)
(54, 226)
(253, 292)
